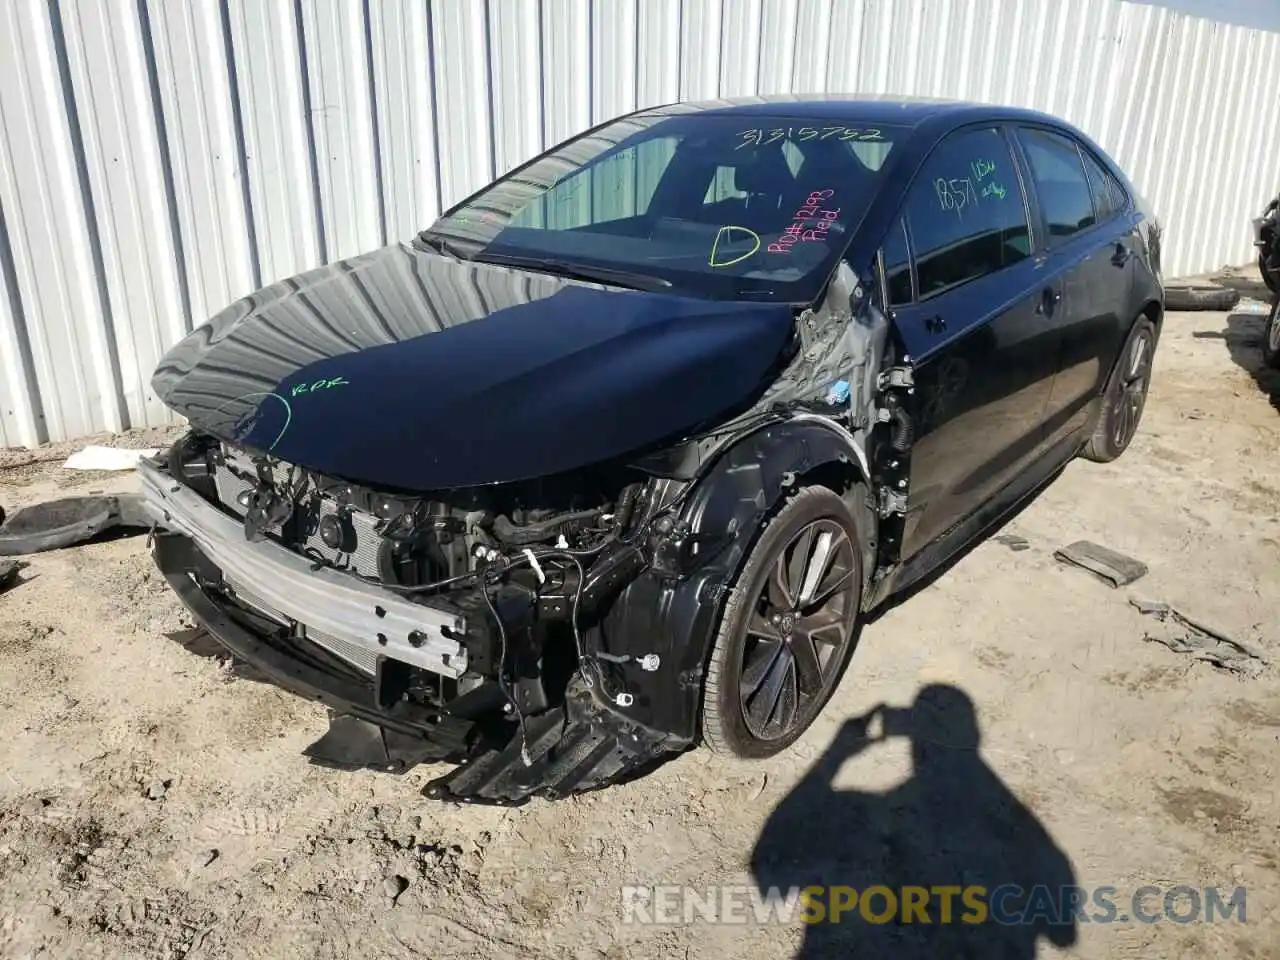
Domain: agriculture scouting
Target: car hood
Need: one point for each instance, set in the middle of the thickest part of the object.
(404, 368)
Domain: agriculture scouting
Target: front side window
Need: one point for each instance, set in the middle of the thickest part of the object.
(1061, 186)
(966, 212)
(718, 205)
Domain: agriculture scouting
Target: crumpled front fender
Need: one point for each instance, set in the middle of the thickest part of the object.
(674, 613)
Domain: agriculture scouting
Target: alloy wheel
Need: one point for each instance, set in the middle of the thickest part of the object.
(1132, 395)
(799, 629)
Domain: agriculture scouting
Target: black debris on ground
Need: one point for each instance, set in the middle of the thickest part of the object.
(1013, 541)
(57, 523)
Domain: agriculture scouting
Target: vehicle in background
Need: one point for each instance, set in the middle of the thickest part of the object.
(1271, 336)
(1266, 237)
(615, 457)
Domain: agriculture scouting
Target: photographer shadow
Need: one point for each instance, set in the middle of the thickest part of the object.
(953, 823)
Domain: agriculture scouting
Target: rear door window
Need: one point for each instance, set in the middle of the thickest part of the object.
(1057, 171)
(966, 212)
(1119, 199)
(1108, 196)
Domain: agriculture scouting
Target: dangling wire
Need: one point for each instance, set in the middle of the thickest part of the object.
(502, 672)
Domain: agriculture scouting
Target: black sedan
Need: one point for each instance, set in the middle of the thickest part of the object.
(615, 456)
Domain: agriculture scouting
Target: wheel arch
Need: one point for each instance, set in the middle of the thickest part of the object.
(1153, 311)
(675, 608)
(751, 479)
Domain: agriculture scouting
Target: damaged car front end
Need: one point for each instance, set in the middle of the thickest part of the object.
(489, 509)
(548, 635)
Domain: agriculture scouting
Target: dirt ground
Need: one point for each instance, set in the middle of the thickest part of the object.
(129, 762)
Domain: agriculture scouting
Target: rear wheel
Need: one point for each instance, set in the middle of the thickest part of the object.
(787, 630)
(1271, 338)
(1125, 396)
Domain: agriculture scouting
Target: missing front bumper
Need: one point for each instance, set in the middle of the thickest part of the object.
(365, 620)
(443, 735)
(576, 747)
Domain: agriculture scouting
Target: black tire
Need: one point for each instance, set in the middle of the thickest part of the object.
(1271, 336)
(1125, 396)
(57, 523)
(755, 628)
(1272, 280)
(1184, 299)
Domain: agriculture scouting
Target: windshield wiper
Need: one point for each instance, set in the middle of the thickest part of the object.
(440, 245)
(580, 271)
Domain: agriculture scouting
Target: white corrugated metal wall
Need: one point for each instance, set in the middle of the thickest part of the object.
(160, 158)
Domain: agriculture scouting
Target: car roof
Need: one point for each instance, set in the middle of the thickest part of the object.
(887, 109)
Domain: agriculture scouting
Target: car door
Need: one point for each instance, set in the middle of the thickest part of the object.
(973, 312)
(1087, 250)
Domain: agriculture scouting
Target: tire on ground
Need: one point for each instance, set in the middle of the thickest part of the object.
(1183, 299)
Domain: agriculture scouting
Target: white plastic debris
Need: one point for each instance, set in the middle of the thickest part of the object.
(106, 458)
(1255, 307)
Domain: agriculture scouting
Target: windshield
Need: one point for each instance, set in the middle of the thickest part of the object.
(717, 206)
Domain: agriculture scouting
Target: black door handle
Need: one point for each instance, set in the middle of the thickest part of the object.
(935, 324)
(1121, 255)
(1050, 297)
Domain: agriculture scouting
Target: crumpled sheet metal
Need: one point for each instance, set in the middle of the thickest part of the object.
(1202, 642)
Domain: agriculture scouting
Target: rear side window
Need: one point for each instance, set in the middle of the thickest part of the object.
(1108, 195)
(966, 213)
(1061, 186)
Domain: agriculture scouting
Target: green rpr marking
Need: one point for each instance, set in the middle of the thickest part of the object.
(301, 388)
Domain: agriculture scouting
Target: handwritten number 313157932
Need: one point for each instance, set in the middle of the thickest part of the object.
(761, 137)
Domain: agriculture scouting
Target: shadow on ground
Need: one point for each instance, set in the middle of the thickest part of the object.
(199, 641)
(952, 824)
(1243, 336)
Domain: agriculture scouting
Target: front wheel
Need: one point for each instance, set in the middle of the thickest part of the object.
(788, 628)
(1271, 338)
(1125, 397)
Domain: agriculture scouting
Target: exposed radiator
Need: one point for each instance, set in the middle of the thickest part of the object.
(357, 656)
(362, 527)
